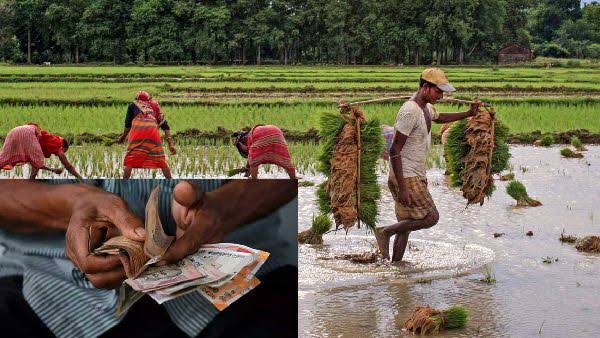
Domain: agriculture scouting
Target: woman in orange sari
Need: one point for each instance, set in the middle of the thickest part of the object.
(145, 148)
(264, 145)
(31, 144)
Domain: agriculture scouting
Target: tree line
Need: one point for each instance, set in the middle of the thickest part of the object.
(293, 31)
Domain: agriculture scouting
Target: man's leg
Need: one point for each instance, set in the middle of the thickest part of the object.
(400, 243)
(127, 172)
(402, 230)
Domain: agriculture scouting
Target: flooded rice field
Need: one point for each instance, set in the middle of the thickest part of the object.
(542, 286)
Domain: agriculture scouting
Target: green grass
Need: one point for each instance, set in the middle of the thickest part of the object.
(301, 117)
(93, 99)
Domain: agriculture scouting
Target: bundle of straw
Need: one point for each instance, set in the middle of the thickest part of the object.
(351, 147)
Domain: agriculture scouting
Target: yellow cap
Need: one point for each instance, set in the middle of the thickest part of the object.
(438, 78)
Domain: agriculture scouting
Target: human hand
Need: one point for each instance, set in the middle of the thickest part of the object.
(197, 220)
(172, 149)
(57, 171)
(120, 140)
(97, 215)
(405, 196)
(474, 108)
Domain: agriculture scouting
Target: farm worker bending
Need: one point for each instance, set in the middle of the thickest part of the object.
(30, 144)
(145, 148)
(415, 209)
(264, 145)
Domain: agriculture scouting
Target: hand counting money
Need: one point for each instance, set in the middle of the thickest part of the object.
(220, 272)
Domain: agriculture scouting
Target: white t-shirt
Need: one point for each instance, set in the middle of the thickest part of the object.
(411, 122)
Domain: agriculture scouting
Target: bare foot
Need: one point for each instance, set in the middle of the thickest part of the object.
(383, 241)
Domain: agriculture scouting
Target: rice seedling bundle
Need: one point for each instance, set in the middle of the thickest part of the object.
(340, 194)
(320, 225)
(576, 142)
(547, 140)
(566, 152)
(426, 320)
(517, 190)
(477, 149)
(588, 244)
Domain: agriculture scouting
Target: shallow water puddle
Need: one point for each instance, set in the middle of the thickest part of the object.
(338, 298)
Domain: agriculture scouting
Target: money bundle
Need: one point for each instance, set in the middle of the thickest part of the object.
(136, 256)
(221, 272)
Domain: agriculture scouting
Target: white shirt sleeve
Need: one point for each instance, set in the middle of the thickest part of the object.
(406, 120)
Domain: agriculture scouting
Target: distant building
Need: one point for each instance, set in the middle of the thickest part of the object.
(514, 53)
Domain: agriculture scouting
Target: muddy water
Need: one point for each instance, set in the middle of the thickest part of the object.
(444, 264)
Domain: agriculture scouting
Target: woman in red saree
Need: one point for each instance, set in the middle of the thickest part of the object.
(264, 145)
(31, 144)
(145, 149)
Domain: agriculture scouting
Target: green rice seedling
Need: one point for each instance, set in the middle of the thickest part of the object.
(517, 190)
(566, 152)
(372, 142)
(567, 238)
(306, 184)
(426, 320)
(547, 140)
(457, 149)
(576, 142)
(320, 225)
(488, 275)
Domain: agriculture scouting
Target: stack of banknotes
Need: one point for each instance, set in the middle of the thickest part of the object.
(221, 272)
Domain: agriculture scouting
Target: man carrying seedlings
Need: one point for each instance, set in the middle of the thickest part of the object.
(415, 209)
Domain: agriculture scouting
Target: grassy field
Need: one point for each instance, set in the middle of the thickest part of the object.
(84, 99)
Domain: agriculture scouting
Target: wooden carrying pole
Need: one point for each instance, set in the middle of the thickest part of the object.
(403, 98)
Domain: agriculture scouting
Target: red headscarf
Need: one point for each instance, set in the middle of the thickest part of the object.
(51, 144)
(143, 96)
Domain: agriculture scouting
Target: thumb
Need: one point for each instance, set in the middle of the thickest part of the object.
(129, 224)
(188, 194)
(183, 246)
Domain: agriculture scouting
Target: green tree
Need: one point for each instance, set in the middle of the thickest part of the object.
(103, 26)
(63, 18)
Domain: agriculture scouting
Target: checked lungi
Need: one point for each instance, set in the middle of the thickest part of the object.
(422, 202)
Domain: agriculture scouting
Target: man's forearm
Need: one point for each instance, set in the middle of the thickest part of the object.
(243, 201)
(451, 117)
(28, 205)
(396, 160)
